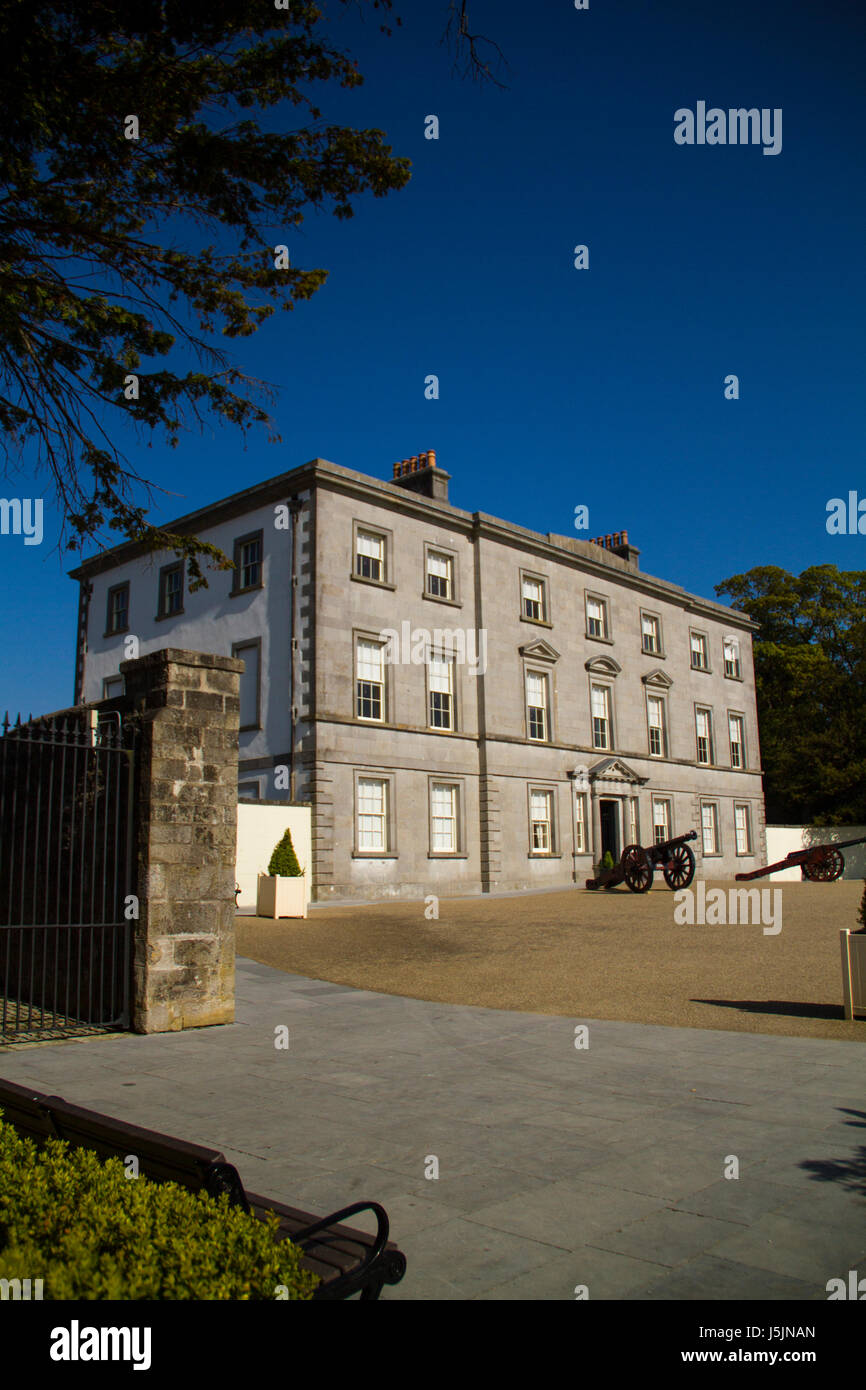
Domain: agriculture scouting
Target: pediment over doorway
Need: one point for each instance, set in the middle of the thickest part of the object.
(615, 770)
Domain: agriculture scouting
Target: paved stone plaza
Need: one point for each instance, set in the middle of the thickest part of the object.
(557, 1167)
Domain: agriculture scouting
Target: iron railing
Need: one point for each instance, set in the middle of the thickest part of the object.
(66, 846)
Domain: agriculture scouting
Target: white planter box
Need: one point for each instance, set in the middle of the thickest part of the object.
(281, 897)
(854, 973)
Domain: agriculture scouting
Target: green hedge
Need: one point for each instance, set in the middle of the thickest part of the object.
(90, 1232)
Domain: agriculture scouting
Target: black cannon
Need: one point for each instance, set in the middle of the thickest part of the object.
(820, 863)
(637, 864)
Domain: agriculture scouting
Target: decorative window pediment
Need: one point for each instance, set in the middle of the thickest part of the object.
(603, 666)
(615, 770)
(539, 651)
(658, 678)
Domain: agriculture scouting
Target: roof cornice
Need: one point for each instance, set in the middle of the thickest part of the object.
(322, 472)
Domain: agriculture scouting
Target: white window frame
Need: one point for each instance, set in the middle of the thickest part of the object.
(536, 823)
(361, 639)
(528, 578)
(740, 743)
(747, 827)
(581, 839)
(371, 532)
(441, 659)
(713, 807)
(438, 784)
(544, 709)
(372, 811)
(709, 761)
(656, 620)
(661, 728)
(443, 557)
(736, 671)
(604, 619)
(607, 691)
(703, 648)
(664, 801)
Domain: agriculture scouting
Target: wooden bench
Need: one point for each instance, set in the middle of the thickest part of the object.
(347, 1261)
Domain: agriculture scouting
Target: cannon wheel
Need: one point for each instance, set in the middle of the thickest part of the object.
(826, 867)
(637, 869)
(680, 868)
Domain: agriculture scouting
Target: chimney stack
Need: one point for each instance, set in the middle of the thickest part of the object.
(420, 474)
(618, 544)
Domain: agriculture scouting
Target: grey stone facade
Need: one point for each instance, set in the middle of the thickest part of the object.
(482, 770)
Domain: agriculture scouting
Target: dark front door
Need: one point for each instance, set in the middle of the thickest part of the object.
(609, 812)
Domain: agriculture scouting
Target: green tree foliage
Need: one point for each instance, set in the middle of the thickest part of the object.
(115, 251)
(90, 1232)
(810, 673)
(284, 861)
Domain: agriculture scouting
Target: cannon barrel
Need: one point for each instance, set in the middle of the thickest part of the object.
(677, 840)
(835, 844)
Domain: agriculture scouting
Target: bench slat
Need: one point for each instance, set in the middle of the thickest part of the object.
(336, 1254)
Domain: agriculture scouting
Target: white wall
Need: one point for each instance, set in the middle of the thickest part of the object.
(782, 839)
(260, 828)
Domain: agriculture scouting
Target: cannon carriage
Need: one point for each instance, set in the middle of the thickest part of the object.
(820, 863)
(638, 863)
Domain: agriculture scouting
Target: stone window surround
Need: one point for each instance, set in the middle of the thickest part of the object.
(606, 683)
(555, 851)
(237, 649)
(446, 779)
(374, 529)
(532, 668)
(604, 636)
(116, 631)
(657, 617)
(376, 774)
(456, 694)
(739, 714)
(239, 543)
(363, 635)
(711, 761)
(164, 572)
(543, 580)
(729, 675)
(668, 801)
(455, 601)
(718, 852)
(657, 694)
(704, 670)
(748, 852)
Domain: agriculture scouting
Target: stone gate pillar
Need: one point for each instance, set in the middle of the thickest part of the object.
(187, 707)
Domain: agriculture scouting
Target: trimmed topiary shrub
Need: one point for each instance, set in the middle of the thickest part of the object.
(90, 1232)
(284, 861)
(608, 861)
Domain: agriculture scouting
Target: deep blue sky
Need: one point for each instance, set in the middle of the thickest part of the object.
(560, 386)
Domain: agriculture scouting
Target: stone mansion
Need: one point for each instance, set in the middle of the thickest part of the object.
(469, 706)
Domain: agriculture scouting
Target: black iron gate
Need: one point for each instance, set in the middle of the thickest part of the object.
(66, 875)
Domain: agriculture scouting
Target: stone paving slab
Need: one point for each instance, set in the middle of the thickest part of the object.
(557, 1166)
